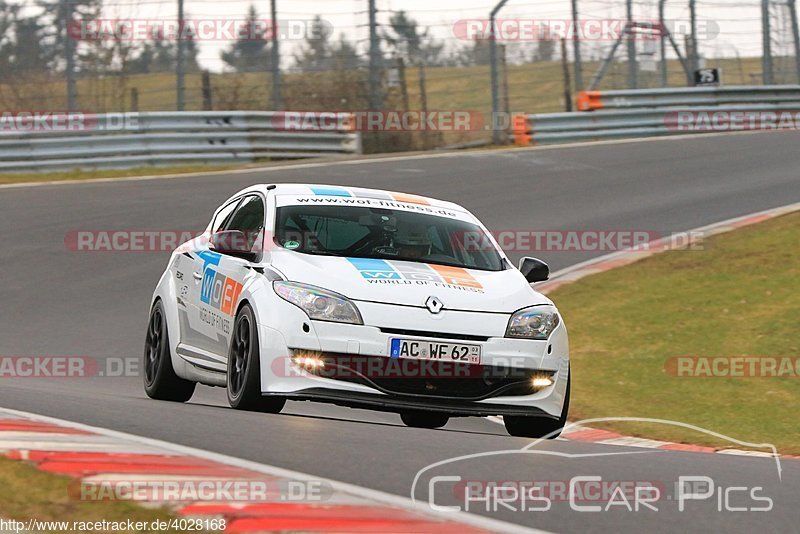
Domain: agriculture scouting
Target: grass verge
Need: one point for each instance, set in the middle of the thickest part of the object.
(77, 174)
(737, 297)
(28, 493)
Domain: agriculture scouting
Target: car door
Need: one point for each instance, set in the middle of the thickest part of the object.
(222, 278)
(194, 322)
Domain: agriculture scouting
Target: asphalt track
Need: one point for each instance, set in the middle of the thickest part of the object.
(59, 302)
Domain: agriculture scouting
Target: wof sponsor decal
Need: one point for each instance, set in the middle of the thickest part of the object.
(733, 366)
(377, 271)
(198, 29)
(731, 121)
(217, 290)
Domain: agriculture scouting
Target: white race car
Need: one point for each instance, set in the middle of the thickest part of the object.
(362, 298)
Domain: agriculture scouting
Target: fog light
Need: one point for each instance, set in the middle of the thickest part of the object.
(308, 361)
(541, 382)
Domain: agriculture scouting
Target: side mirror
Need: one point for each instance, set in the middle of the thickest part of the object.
(232, 243)
(534, 270)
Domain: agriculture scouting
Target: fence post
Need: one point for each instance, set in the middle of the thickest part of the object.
(565, 69)
(206, 90)
(180, 71)
(766, 38)
(497, 135)
(576, 47)
(134, 99)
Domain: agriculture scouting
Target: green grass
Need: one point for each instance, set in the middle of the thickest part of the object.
(740, 296)
(26, 492)
(77, 174)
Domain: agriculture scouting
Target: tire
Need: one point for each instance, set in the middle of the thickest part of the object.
(160, 380)
(244, 368)
(424, 419)
(539, 427)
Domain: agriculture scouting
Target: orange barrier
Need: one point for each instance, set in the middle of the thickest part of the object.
(589, 100)
(522, 135)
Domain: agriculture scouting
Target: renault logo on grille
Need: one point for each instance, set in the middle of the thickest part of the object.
(434, 305)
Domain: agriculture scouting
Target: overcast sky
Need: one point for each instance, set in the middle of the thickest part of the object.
(738, 20)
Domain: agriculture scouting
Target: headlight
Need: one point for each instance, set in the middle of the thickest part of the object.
(536, 322)
(318, 303)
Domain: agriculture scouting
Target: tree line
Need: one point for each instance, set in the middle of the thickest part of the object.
(31, 46)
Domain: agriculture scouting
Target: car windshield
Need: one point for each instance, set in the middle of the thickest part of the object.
(362, 232)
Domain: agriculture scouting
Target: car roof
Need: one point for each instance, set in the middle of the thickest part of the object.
(347, 191)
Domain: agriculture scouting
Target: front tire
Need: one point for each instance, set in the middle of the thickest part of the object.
(424, 419)
(160, 380)
(539, 427)
(244, 367)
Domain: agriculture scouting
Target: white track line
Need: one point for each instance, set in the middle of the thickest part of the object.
(373, 495)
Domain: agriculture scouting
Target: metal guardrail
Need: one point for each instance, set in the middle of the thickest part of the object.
(123, 140)
(553, 128)
(687, 96)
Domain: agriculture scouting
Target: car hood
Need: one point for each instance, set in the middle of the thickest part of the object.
(410, 283)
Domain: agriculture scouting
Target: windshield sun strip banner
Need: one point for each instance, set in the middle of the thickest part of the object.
(369, 202)
(336, 191)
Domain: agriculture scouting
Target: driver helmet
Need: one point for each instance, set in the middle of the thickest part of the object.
(413, 240)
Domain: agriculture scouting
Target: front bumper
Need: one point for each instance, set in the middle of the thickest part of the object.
(296, 334)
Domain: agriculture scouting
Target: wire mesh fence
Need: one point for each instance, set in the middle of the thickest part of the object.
(126, 55)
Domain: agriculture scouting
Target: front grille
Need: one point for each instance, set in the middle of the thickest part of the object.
(438, 335)
(455, 380)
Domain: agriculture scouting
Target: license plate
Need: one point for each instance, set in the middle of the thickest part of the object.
(434, 350)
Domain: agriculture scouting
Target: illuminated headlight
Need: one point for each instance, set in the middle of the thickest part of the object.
(318, 303)
(537, 322)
